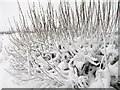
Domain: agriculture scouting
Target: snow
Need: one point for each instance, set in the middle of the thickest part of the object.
(101, 81)
(82, 63)
(6, 79)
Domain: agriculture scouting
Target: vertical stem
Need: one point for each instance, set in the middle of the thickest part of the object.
(105, 51)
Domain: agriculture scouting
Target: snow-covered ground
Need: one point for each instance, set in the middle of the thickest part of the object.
(8, 81)
(5, 77)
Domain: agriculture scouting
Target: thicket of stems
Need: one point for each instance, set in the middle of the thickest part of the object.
(49, 28)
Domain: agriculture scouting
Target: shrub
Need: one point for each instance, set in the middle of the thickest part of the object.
(66, 47)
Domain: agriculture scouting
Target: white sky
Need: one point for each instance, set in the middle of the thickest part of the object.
(9, 8)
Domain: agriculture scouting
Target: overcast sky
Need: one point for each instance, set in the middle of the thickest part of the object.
(9, 8)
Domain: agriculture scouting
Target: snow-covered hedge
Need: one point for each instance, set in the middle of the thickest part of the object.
(67, 48)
